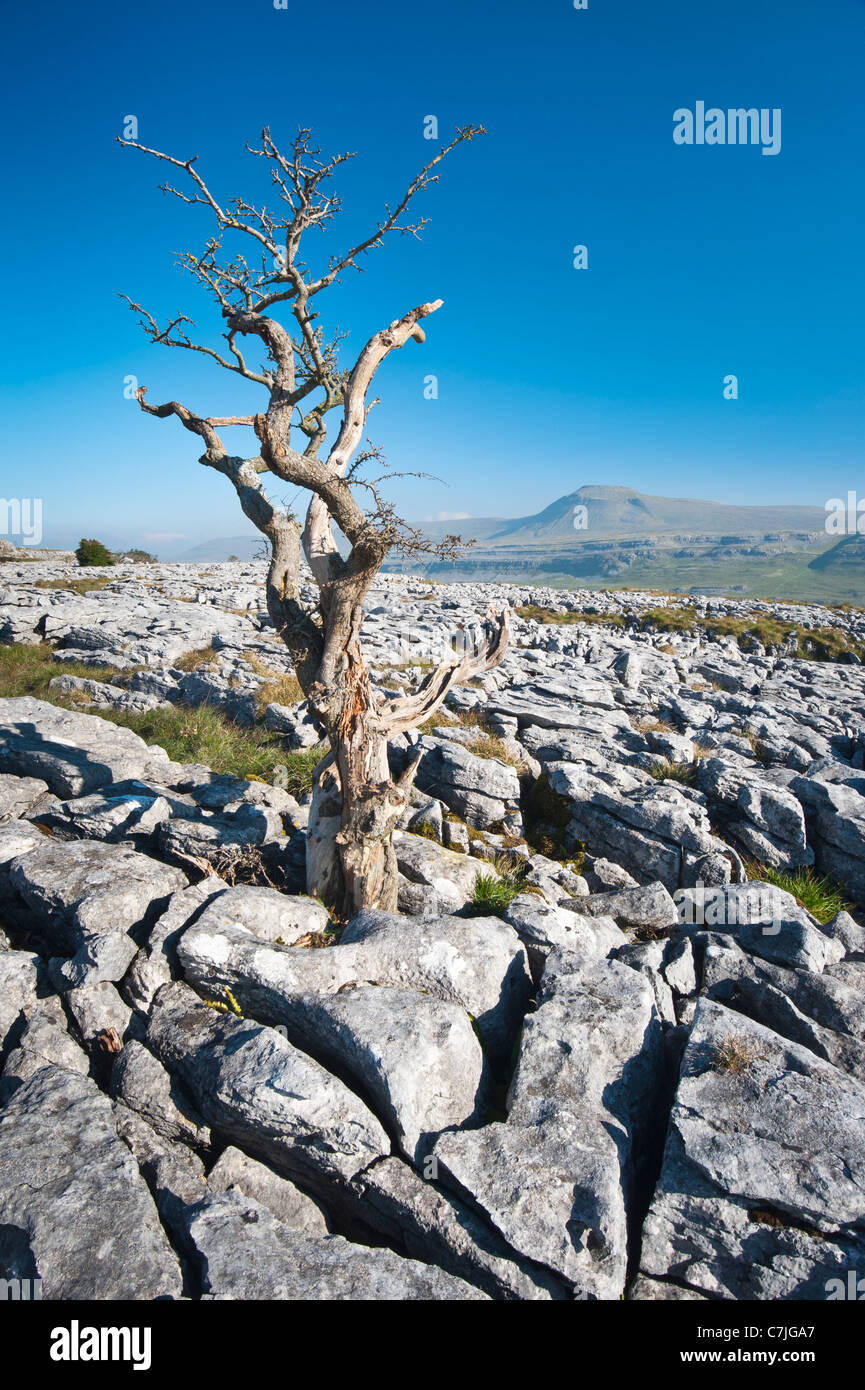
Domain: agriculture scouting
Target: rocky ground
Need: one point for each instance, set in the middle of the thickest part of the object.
(597, 1053)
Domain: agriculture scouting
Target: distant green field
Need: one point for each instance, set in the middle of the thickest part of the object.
(785, 576)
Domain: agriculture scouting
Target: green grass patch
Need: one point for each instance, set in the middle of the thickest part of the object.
(205, 735)
(279, 688)
(28, 670)
(199, 656)
(75, 586)
(201, 734)
(666, 771)
(663, 619)
(820, 896)
(549, 615)
(492, 896)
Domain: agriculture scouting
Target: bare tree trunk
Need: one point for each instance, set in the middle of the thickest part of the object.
(351, 862)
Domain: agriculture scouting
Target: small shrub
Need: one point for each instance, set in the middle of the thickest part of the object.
(138, 557)
(653, 726)
(93, 553)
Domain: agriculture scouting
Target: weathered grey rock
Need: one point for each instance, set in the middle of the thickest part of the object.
(849, 932)
(266, 914)
(297, 722)
(286, 1202)
(761, 1191)
(426, 819)
(654, 831)
(205, 838)
(603, 876)
(103, 694)
(144, 1085)
(541, 928)
(680, 967)
(73, 753)
(97, 1009)
(155, 964)
(835, 817)
(551, 704)
(125, 812)
(17, 838)
(478, 963)
(85, 900)
(480, 790)
(76, 1212)
(210, 687)
(414, 1058)
(644, 1290)
(246, 1253)
(455, 836)
(765, 820)
(556, 1178)
(765, 920)
(450, 877)
(647, 957)
(174, 1175)
(18, 795)
(19, 981)
(44, 1041)
(257, 1091)
(210, 791)
(647, 907)
(820, 1012)
(553, 879)
(431, 1224)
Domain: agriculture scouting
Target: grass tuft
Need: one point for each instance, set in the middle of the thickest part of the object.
(819, 895)
(735, 1055)
(666, 771)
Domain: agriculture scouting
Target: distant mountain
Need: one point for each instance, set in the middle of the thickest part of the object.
(622, 512)
(618, 513)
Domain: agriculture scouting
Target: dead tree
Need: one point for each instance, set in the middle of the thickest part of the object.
(357, 804)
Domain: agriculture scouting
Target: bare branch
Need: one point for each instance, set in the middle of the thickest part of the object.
(398, 716)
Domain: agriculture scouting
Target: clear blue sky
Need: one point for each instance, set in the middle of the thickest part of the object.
(702, 261)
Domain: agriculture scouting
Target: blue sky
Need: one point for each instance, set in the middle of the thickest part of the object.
(703, 261)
